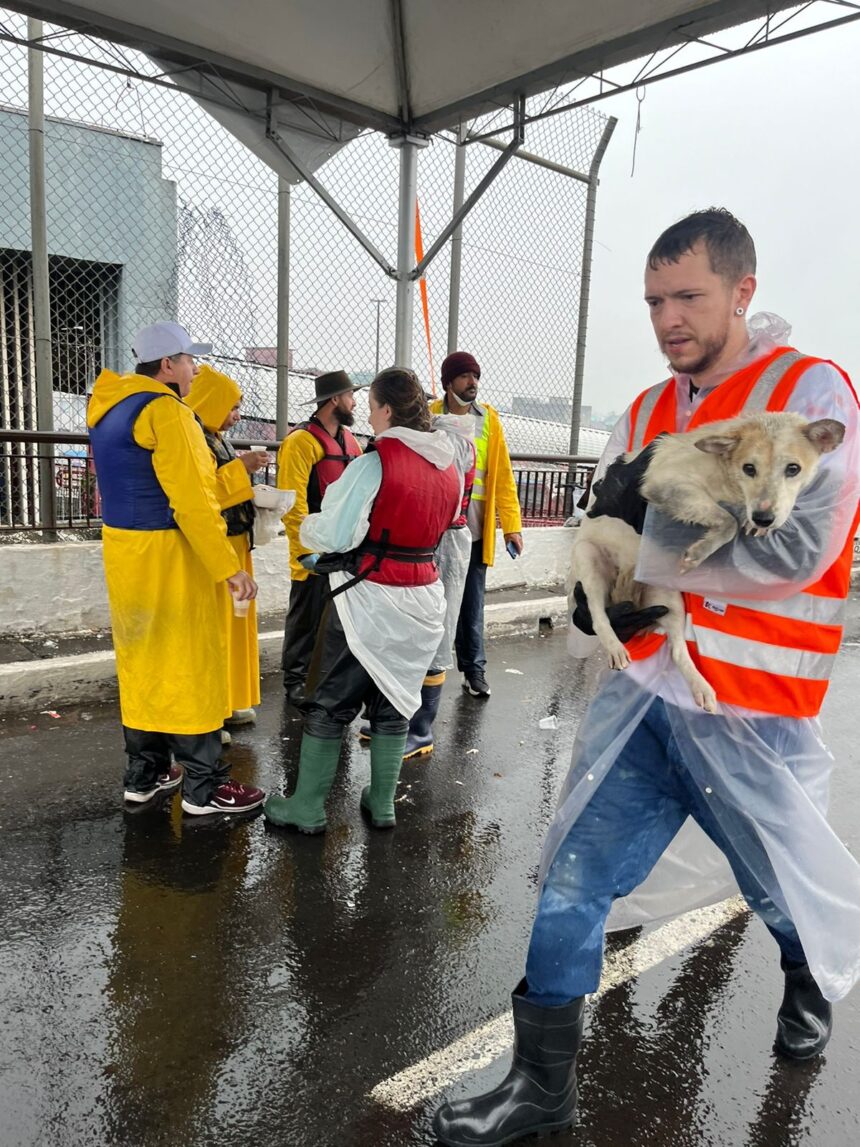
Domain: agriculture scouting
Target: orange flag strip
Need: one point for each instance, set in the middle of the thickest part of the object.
(419, 255)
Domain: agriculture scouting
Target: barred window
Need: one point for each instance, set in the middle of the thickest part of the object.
(84, 307)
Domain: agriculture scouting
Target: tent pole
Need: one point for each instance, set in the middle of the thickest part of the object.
(457, 242)
(408, 146)
(282, 357)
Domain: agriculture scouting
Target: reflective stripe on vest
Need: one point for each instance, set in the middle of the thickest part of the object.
(641, 412)
(771, 656)
(760, 655)
(482, 449)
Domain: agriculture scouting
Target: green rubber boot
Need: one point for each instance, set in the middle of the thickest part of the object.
(386, 757)
(305, 809)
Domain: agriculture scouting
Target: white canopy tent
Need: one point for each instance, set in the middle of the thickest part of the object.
(296, 80)
(402, 66)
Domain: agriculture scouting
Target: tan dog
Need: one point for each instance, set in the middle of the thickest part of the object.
(758, 464)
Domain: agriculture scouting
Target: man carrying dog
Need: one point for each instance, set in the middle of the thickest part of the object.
(313, 456)
(763, 626)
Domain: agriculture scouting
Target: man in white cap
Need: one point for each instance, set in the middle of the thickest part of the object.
(168, 565)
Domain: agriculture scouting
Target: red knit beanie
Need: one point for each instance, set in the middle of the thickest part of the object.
(460, 362)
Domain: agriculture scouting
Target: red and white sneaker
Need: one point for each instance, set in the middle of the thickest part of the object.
(229, 797)
(170, 780)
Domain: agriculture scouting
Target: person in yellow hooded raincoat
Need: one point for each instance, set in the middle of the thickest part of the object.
(215, 399)
(169, 569)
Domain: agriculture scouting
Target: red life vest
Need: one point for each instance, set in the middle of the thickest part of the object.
(773, 656)
(333, 462)
(415, 505)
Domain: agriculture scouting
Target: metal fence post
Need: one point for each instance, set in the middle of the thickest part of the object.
(457, 241)
(282, 414)
(42, 367)
(585, 284)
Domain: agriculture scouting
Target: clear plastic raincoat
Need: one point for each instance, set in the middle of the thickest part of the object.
(766, 777)
(455, 545)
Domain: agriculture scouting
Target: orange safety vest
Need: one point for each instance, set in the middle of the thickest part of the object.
(773, 656)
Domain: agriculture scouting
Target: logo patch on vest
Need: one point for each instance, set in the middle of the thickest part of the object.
(718, 607)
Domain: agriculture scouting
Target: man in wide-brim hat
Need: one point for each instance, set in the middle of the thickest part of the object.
(333, 385)
(311, 457)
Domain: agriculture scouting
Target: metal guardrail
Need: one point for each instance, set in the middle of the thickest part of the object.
(547, 485)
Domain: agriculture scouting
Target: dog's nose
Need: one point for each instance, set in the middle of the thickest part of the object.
(763, 518)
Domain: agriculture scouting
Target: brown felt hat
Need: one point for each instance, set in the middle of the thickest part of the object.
(330, 385)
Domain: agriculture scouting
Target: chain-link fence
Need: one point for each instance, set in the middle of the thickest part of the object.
(156, 211)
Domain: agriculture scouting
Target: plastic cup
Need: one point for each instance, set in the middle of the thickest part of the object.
(548, 723)
(240, 608)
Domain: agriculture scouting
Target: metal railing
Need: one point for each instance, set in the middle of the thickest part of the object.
(548, 485)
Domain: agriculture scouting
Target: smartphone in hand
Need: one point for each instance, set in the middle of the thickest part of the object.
(512, 549)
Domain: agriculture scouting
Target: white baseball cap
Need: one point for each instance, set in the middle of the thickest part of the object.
(162, 340)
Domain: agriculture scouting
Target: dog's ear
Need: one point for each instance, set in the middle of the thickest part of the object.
(718, 443)
(825, 434)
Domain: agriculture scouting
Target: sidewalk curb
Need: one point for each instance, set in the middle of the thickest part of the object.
(87, 677)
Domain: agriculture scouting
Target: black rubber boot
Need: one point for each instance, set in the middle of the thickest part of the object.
(419, 739)
(805, 1019)
(539, 1093)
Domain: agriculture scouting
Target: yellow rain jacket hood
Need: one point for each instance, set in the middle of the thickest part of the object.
(111, 388)
(167, 587)
(213, 395)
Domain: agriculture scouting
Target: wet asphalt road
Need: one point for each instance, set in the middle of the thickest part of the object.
(165, 980)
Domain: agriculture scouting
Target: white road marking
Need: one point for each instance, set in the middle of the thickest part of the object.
(487, 1043)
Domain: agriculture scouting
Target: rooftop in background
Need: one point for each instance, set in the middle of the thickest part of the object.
(524, 435)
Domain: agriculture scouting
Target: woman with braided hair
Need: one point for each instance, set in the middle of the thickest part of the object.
(377, 532)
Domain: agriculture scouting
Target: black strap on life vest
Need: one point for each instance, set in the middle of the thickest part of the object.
(381, 550)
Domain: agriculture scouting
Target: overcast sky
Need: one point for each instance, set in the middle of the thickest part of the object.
(774, 137)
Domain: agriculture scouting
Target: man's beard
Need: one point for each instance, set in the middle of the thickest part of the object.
(711, 351)
(343, 417)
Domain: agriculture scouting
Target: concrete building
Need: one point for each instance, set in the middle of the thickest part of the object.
(112, 247)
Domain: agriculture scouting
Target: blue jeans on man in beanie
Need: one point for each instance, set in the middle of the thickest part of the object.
(469, 641)
(621, 833)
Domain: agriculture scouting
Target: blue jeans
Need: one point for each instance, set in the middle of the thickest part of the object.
(620, 835)
(469, 642)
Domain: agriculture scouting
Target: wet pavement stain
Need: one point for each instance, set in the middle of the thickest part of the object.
(194, 981)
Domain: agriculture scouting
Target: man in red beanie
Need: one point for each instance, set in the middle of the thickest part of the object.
(494, 493)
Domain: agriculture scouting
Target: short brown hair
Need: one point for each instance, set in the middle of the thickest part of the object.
(152, 368)
(731, 251)
(400, 389)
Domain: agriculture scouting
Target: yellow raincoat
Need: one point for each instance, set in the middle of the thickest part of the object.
(213, 395)
(167, 590)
